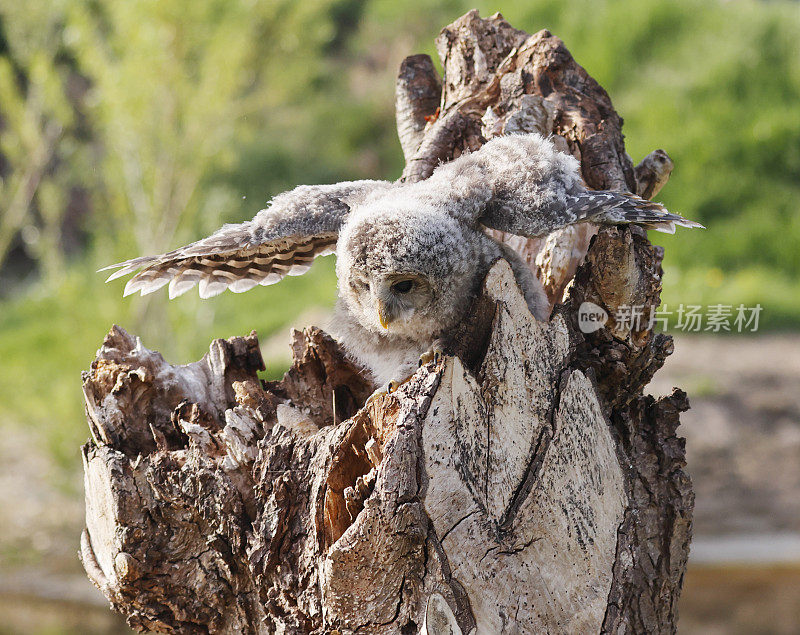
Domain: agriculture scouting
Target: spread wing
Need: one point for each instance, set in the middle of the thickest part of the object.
(281, 240)
(522, 185)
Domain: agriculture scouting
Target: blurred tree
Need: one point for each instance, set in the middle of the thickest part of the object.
(39, 131)
(172, 89)
(171, 83)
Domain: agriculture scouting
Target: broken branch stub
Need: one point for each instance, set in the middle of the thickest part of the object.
(522, 484)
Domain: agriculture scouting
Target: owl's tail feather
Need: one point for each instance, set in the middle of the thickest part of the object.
(615, 208)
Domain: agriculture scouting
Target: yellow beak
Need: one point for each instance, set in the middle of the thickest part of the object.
(382, 315)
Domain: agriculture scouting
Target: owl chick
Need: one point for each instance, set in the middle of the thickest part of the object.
(410, 258)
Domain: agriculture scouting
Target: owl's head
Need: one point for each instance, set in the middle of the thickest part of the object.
(406, 268)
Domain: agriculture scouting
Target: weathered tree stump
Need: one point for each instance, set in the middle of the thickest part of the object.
(523, 484)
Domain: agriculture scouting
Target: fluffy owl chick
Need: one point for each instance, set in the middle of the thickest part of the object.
(408, 272)
(410, 257)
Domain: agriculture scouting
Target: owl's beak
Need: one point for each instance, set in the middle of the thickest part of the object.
(383, 317)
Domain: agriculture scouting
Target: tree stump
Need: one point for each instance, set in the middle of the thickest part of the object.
(522, 484)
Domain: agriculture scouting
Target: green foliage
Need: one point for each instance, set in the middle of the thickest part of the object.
(39, 128)
(173, 86)
(176, 116)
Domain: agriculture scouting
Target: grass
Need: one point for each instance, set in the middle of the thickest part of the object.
(778, 295)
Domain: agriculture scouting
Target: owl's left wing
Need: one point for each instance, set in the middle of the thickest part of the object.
(283, 239)
(522, 185)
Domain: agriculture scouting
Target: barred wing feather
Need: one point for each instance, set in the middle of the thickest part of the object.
(520, 184)
(615, 208)
(281, 240)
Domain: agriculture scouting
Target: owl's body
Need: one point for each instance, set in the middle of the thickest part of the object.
(410, 257)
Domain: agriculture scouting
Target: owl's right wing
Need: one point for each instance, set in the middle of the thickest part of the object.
(522, 185)
(283, 239)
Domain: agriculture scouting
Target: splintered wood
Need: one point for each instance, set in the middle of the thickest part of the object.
(523, 484)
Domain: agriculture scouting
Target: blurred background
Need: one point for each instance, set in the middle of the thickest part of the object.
(128, 128)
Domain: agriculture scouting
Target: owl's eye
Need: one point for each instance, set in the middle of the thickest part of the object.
(403, 286)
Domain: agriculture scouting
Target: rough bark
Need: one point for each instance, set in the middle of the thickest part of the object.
(417, 95)
(522, 484)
